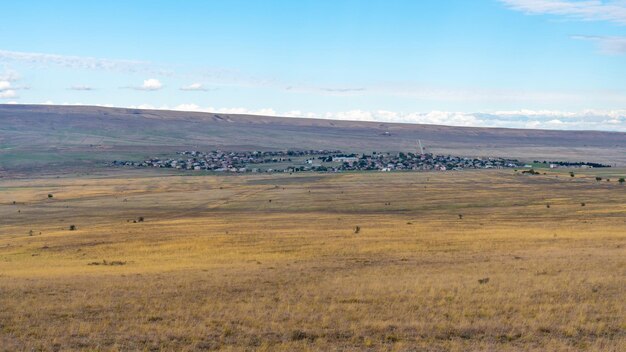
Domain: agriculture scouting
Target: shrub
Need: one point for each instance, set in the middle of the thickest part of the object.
(621, 180)
(357, 229)
(299, 335)
(531, 172)
(50, 195)
(109, 263)
(72, 227)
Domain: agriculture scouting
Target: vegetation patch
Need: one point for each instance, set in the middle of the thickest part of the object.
(108, 263)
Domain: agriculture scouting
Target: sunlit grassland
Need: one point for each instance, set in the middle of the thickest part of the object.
(272, 262)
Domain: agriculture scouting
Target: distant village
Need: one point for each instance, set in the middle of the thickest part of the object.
(316, 161)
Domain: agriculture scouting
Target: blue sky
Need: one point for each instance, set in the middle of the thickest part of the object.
(506, 63)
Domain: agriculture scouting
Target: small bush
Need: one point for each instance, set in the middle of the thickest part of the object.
(109, 263)
(392, 338)
(299, 335)
(50, 195)
(72, 227)
(531, 172)
(357, 229)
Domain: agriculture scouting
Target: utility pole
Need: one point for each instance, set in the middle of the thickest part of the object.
(419, 141)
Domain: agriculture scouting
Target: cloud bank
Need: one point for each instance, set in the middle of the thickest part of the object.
(79, 62)
(613, 11)
(589, 10)
(609, 120)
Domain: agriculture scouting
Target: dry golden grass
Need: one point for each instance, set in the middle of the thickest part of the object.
(216, 265)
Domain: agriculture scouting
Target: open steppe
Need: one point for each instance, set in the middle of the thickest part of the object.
(472, 260)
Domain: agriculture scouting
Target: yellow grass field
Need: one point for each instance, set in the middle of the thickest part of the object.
(456, 261)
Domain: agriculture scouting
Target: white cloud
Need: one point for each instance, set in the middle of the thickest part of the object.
(243, 111)
(215, 75)
(588, 10)
(488, 97)
(145, 106)
(343, 90)
(6, 90)
(81, 88)
(555, 122)
(298, 113)
(188, 107)
(150, 84)
(194, 87)
(149, 107)
(80, 62)
(533, 113)
(9, 75)
(607, 45)
(8, 94)
(433, 117)
(197, 108)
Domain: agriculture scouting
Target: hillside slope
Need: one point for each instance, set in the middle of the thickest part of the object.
(36, 135)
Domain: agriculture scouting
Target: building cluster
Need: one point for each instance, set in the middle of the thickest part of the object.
(221, 161)
(316, 160)
(415, 162)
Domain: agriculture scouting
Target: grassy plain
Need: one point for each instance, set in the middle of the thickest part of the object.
(272, 262)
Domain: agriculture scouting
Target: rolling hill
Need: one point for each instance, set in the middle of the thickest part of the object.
(46, 138)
